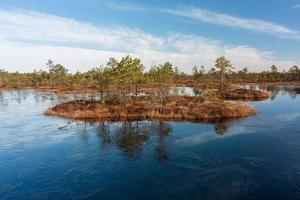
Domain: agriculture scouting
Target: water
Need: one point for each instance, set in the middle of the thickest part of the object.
(53, 158)
(185, 91)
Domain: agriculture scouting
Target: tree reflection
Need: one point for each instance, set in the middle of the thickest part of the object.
(274, 90)
(132, 137)
(2, 101)
(284, 90)
(183, 91)
(84, 132)
(163, 128)
(21, 95)
(103, 132)
(221, 128)
(293, 95)
(161, 152)
(197, 92)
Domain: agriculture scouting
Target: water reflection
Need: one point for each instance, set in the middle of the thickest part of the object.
(132, 137)
(275, 90)
(184, 91)
(103, 132)
(221, 128)
(21, 96)
(197, 92)
(161, 152)
(2, 100)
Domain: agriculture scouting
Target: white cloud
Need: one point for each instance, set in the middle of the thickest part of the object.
(233, 21)
(28, 39)
(27, 25)
(125, 6)
(297, 6)
(26, 57)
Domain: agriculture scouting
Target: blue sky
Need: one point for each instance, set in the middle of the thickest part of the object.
(84, 33)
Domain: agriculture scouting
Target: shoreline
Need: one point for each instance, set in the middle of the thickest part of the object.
(295, 83)
(143, 88)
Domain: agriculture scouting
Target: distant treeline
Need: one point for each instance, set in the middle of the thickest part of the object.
(129, 73)
(244, 75)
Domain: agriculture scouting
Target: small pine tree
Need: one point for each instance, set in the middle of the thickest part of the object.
(223, 66)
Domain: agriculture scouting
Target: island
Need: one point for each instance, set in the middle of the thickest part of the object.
(176, 108)
(245, 94)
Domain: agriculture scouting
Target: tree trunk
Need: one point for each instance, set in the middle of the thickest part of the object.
(136, 89)
(222, 82)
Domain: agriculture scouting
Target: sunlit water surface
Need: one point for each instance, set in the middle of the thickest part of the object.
(52, 158)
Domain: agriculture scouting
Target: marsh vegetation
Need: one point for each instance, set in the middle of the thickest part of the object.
(147, 108)
(124, 90)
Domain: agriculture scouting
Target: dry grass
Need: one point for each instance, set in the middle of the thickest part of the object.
(174, 108)
(245, 94)
(64, 90)
(271, 83)
(149, 89)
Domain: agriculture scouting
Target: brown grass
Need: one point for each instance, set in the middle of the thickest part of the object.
(245, 94)
(140, 108)
(271, 83)
(64, 90)
(149, 89)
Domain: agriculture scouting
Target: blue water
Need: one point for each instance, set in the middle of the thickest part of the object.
(52, 158)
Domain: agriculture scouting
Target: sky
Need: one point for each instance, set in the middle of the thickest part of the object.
(81, 34)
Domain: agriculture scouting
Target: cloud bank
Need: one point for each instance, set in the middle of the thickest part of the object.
(29, 38)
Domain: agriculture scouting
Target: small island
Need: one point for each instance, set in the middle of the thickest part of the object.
(177, 108)
(245, 94)
(124, 90)
(125, 93)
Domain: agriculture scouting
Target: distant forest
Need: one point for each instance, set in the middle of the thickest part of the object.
(129, 73)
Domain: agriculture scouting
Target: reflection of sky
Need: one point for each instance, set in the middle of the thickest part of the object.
(254, 126)
(281, 113)
(23, 123)
(187, 91)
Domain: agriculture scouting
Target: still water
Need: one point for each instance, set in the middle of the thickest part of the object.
(52, 158)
